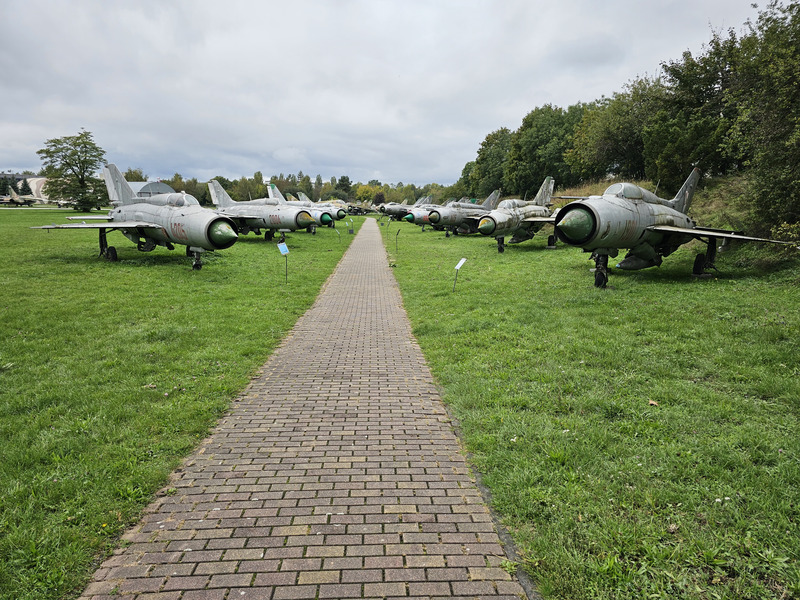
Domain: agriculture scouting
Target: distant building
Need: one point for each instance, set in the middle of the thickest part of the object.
(145, 189)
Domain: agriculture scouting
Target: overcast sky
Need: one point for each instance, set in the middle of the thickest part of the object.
(394, 90)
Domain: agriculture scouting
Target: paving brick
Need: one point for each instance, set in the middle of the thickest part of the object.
(335, 474)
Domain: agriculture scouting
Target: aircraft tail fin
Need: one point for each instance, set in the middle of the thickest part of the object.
(683, 199)
(119, 192)
(303, 197)
(545, 193)
(219, 197)
(275, 193)
(491, 202)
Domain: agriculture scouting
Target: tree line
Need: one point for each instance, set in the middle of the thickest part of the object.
(732, 110)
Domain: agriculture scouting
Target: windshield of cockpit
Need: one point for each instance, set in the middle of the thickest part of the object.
(624, 190)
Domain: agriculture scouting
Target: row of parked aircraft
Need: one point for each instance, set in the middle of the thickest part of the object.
(625, 216)
(178, 219)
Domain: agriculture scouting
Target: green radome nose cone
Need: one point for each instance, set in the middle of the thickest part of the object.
(325, 218)
(409, 217)
(486, 226)
(341, 214)
(304, 219)
(577, 224)
(434, 216)
(221, 234)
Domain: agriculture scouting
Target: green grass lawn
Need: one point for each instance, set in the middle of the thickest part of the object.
(111, 372)
(639, 441)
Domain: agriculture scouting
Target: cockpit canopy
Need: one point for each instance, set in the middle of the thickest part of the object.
(179, 200)
(624, 190)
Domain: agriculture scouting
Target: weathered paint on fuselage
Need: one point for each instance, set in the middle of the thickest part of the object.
(182, 220)
(509, 215)
(622, 223)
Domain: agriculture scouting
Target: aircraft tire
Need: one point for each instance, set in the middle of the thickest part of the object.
(197, 266)
(111, 254)
(268, 235)
(699, 264)
(551, 240)
(501, 249)
(600, 278)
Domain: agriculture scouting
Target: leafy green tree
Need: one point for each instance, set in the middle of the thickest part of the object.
(609, 138)
(378, 198)
(344, 185)
(4, 186)
(25, 188)
(767, 129)
(538, 147)
(71, 164)
(136, 174)
(486, 174)
(692, 117)
(317, 187)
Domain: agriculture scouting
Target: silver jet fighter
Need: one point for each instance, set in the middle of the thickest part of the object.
(627, 216)
(522, 218)
(338, 211)
(160, 220)
(420, 213)
(462, 217)
(255, 215)
(321, 214)
(394, 210)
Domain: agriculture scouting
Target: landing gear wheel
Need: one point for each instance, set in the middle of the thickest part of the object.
(111, 254)
(447, 234)
(197, 266)
(600, 279)
(600, 270)
(268, 235)
(699, 264)
(501, 248)
(501, 245)
(551, 241)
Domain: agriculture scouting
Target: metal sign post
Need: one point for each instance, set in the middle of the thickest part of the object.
(458, 268)
(284, 250)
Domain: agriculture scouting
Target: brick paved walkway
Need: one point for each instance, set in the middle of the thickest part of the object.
(336, 473)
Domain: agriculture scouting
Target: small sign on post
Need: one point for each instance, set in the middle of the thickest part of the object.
(458, 268)
(284, 250)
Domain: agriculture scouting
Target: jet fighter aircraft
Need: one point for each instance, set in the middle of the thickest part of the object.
(321, 213)
(627, 216)
(253, 216)
(395, 210)
(520, 217)
(160, 220)
(462, 217)
(339, 212)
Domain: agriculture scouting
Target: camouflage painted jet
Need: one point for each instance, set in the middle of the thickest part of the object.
(160, 220)
(649, 227)
(255, 215)
(520, 217)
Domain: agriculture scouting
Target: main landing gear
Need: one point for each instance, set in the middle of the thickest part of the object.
(705, 262)
(106, 251)
(501, 244)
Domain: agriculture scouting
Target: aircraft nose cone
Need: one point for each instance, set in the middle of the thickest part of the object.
(304, 219)
(577, 224)
(325, 218)
(409, 217)
(222, 234)
(341, 214)
(434, 216)
(486, 226)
